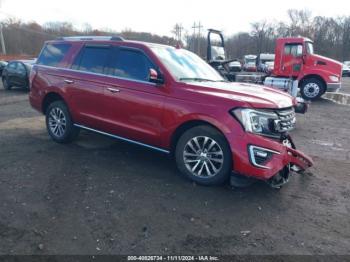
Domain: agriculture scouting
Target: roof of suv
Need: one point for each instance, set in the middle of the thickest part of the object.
(104, 39)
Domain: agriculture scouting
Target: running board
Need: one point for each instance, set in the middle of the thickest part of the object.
(123, 139)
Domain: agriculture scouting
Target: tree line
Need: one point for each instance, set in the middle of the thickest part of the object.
(331, 35)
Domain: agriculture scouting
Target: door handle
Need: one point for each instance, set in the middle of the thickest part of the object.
(68, 81)
(113, 90)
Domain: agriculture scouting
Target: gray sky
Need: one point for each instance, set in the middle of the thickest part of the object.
(159, 16)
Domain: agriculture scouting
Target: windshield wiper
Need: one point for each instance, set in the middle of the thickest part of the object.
(198, 79)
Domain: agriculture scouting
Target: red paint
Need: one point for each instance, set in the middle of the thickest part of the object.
(150, 113)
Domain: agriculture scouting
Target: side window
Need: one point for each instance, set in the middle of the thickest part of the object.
(21, 68)
(92, 59)
(53, 54)
(12, 65)
(292, 49)
(129, 63)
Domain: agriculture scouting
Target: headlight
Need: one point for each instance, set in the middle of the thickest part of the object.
(334, 78)
(256, 121)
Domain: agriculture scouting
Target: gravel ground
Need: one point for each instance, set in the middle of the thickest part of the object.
(102, 196)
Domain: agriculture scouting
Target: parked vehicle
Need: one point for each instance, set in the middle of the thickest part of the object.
(346, 68)
(16, 74)
(235, 66)
(3, 64)
(167, 99)
(296, 62)
(265, 62)
(250, 63)
(216, 56)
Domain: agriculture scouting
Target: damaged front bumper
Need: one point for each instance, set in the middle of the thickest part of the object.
(267, 159)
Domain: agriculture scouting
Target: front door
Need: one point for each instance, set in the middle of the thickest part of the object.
(292, 59)
(133, 105)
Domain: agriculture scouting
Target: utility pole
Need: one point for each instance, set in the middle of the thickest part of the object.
(2, 40)
(198, 36)
(3, 47)
(178, 32)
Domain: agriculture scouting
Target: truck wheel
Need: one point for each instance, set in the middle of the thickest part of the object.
(59, 123)
(204, 156)
(6, 83)
(312, 89)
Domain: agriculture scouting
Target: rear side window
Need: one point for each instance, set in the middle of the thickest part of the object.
(12, 65)
(129, 63)
(53, 54)
(92, 59)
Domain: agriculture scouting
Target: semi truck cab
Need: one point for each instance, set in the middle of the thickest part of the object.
(295, 59)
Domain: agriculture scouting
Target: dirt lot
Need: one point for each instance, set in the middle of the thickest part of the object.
(101, 196)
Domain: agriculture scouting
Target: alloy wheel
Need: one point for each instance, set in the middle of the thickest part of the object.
(57, 122)
(203, 156)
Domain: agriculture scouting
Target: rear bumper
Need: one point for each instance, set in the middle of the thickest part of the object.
(284, 156)
(333, 87)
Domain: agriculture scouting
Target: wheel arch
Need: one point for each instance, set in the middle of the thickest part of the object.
(310, 76)
(50, 98)
(182, 128)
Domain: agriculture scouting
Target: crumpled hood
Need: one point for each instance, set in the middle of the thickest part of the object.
(244, 94)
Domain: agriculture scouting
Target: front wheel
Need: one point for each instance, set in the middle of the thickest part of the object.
(312, 89)
(204, 156)
(59, 123)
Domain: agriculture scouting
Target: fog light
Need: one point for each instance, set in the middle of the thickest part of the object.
(259, 155)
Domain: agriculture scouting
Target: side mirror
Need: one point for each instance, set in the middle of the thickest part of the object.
(154, 77)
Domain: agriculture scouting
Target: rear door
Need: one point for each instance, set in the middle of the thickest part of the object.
(133, 105)
(85, 85)
(11, 72)
(21, 75)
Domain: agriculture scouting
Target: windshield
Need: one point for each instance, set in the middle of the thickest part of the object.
(250, 61)
(185, 65)
(310, 48)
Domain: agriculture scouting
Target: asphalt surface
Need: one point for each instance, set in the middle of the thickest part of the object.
(102, 196)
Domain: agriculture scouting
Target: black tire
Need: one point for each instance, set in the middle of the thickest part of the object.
(312, 89)
(70, 132)
(200, 132)
(6, 84)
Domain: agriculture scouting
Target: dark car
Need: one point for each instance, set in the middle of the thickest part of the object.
(16, 74)
(3, 64)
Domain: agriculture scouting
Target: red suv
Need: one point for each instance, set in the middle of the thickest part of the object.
(167, 99)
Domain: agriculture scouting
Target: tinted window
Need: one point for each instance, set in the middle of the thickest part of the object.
(12, 65)
(53, 54)
(92, 59)
(131, 64)
(21, 68)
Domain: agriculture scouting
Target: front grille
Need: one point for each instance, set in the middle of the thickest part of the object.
(286, 120)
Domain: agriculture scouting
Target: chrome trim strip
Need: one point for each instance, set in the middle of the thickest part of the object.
(252, 157)
(97, 74)
(123, 139)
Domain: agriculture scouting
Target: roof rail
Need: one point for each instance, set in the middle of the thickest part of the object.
(88, 37)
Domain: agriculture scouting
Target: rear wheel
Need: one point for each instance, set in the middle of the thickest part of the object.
(59, 123)
(6, 83)
(312, 89)
(204, 156)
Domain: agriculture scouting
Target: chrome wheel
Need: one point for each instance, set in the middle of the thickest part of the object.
(57, 122)
(203, 157)
(311, 90)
